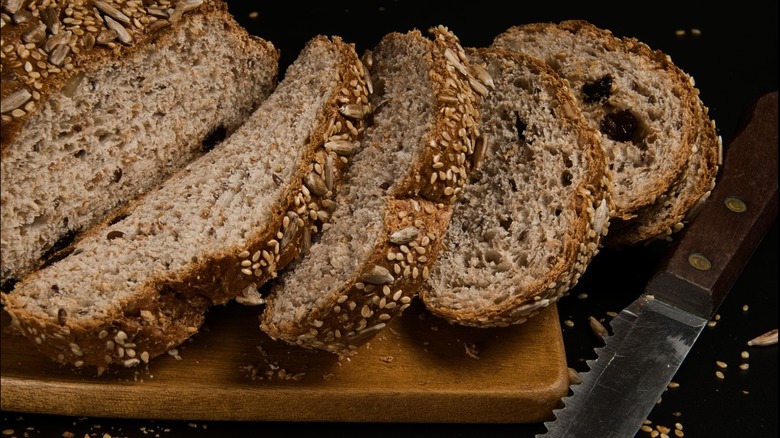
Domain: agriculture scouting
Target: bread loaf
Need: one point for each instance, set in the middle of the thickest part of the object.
(140, 284)
(102, 100)
(535, 210)
(395, 203)
(648, 111)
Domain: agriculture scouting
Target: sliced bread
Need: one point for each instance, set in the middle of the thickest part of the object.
(141, 283)
(645, 106)
(680, 204)
(534, 212)
(103, 100)
(395, 203)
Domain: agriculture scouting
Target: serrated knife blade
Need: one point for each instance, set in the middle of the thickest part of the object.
(652, 335)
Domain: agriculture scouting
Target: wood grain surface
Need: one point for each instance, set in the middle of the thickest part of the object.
(421, 369)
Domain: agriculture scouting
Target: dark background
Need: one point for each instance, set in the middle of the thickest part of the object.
(734, 61)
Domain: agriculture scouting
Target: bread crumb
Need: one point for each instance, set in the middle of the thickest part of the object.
(67, 434)
(471, 350)
(387, 359)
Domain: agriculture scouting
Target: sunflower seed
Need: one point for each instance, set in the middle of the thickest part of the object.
(455, 61)
(58, 55)
(352, 110)
(479, 151)
(768, 338)
(342, 147)
(378, 275)
(106, 36)
(315, 184)
(14, 100)
(478, 87)
(189, 5)
(51, 18)
(404, 235)
(291, 230)
(112, 11)
(36, 34)
(121, 33)
(159, 25)
(12, 6)
(56, 40)
(482, 75)
(329, 173)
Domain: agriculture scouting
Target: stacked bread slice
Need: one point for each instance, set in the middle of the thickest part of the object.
(662, 148)
(534, 212)
(105, 105)
(141, 283)
(395, 204)
(484, 181)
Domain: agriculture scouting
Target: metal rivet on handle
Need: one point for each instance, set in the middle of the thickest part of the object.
(699, 261)
(735, 204)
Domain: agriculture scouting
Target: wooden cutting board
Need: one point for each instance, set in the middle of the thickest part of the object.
(420, 369)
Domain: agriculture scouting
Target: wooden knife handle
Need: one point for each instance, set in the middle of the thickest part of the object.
(710, 253)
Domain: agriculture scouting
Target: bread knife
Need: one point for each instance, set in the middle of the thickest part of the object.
(652, 335)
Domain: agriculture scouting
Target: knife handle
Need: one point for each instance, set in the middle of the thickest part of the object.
(706, 260)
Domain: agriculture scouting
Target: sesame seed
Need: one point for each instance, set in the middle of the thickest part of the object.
(720, 375)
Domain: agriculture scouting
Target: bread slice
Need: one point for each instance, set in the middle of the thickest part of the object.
(395, 203)
(102, 101)
(645, 106)
(682, 202)
(140, 284)
(535, 211)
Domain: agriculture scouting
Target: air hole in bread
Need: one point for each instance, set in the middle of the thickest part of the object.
(60, 244)
(118, 219)
(214, 138)
(8, 285)
(520, 127)
(524, 84)
(598, 90)
(566, 178)
(620, 125)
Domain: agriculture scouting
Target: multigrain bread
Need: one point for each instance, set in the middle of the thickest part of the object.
(140, 284)
(648, 111)
(534, 212)
(102, 100)
(395, 203)
(682, 202)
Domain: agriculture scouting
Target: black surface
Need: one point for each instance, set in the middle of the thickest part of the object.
(734, 61)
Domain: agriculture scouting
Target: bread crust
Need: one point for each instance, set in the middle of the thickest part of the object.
(166, 310)
(379, 288)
